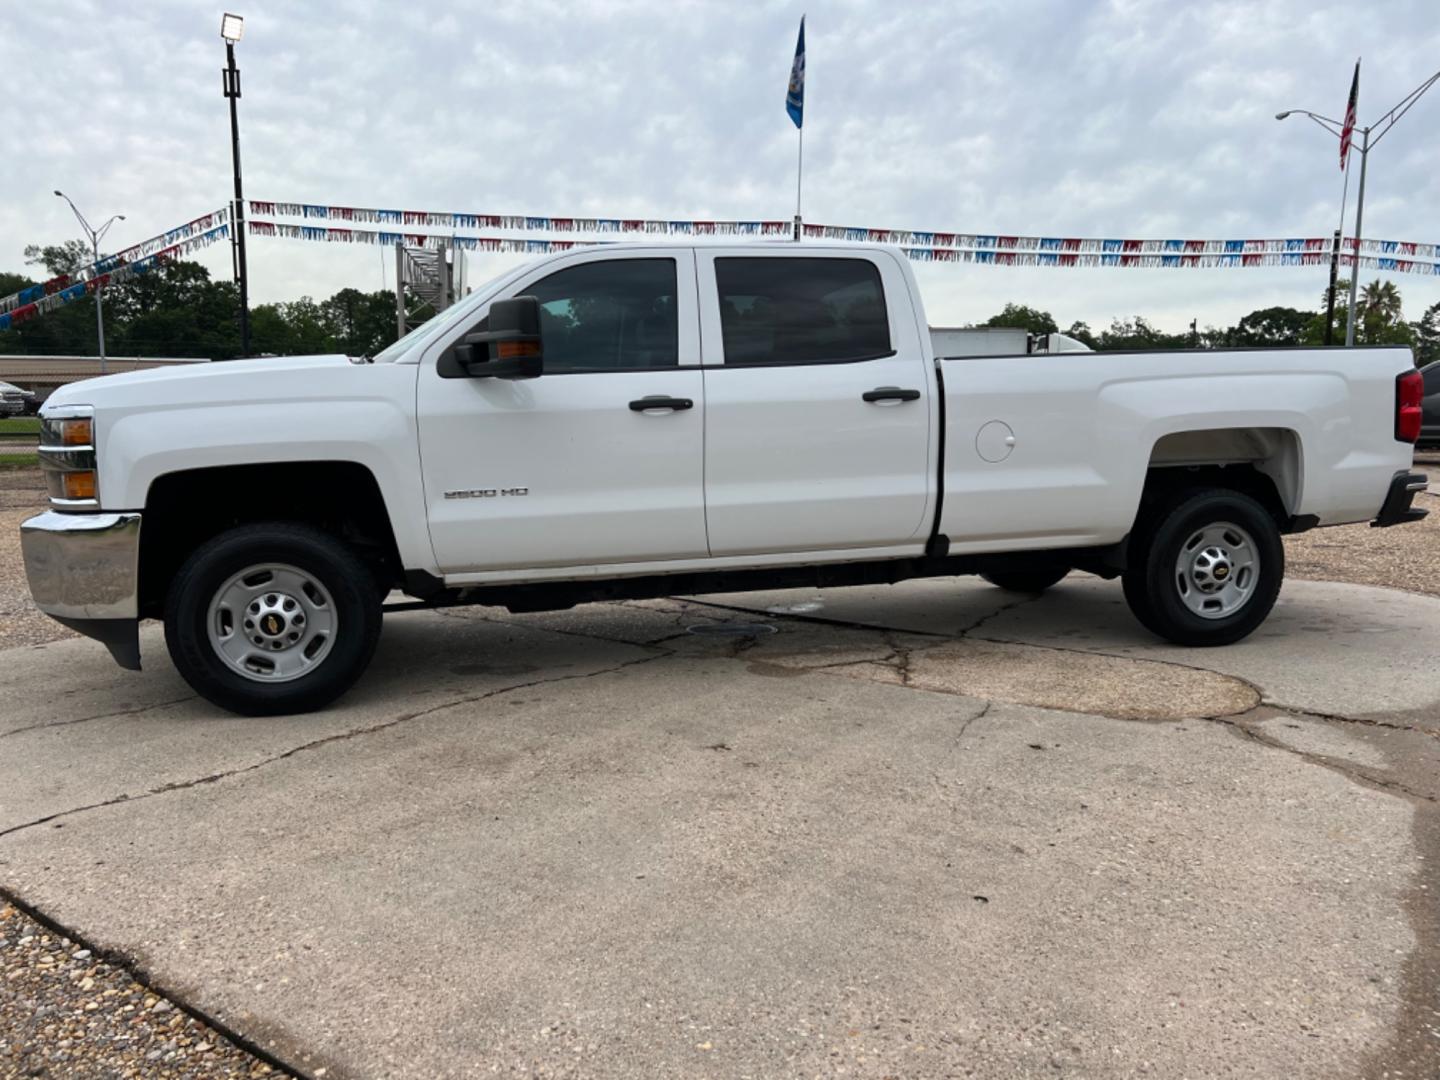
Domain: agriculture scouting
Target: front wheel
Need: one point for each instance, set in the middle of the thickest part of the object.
(271, 619)
(1205, 568)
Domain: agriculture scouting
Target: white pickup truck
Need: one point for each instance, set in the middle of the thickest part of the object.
(659, 420)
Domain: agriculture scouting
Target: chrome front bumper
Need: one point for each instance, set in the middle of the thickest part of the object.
(84, 571)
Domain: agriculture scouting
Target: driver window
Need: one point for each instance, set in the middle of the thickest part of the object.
(611, 315)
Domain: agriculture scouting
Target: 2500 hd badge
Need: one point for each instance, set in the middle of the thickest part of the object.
(486, 493)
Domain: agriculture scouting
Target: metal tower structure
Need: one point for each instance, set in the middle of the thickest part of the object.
(431, 278)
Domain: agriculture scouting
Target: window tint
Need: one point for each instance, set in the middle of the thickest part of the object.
(801, 311)
(601, 316)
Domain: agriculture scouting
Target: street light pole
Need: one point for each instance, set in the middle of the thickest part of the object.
(232, 27)
(95, 236)
(1359, 232)
(1382, 128)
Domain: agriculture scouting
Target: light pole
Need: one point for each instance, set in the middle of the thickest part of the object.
(232, 27)
(1379, 129)
(95, 235)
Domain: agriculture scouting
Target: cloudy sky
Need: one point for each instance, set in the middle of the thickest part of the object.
(1123, 118)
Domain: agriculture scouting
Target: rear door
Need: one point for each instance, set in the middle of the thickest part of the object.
(819, 402)
(573, 468)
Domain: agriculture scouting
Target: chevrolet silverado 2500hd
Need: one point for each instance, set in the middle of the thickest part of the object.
(647, 421)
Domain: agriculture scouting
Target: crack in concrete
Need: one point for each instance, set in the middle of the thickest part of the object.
(100, 716)
(1339, 718)
(940, 787)
(901, 655)
(1356, 773)
(966, 631)
(984, 712)
(314, 744)
(885, 661)
(1254, 688)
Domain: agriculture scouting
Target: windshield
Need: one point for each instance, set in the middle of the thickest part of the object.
(415, 337)
(422, 334)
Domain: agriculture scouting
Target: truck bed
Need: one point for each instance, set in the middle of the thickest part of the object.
(1086, 428)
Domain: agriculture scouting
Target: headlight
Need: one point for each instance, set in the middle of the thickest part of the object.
(67, 457)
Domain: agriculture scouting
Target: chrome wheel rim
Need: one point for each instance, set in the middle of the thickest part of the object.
(272, 623)
(1217, 570)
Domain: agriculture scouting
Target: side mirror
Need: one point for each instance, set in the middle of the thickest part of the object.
(511, 348)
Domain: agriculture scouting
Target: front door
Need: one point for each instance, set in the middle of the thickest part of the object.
(819, 407)
(571, 468)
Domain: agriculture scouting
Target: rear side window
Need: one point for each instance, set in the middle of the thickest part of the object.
(1432, 378)
(801, 311)
(609, 315)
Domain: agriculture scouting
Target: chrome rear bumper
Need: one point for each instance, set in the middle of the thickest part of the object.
(84, 571)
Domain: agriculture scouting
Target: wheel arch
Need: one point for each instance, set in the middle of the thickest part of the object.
(183, 509)
(1266, 463)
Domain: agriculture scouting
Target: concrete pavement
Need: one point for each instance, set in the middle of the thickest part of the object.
(948, 830)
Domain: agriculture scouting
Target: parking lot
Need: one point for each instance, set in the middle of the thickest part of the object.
(931, 829)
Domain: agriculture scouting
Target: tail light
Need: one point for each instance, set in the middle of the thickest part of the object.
(1409, 390)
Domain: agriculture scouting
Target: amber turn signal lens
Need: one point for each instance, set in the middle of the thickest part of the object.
(513, 350)
(77, 433)
(79, 485)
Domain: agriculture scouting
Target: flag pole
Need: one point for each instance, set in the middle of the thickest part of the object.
(795, 106)
(799, 172)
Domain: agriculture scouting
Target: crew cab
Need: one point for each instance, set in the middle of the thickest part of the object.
(622, 422)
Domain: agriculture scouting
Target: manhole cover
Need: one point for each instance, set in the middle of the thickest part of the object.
(732, 629)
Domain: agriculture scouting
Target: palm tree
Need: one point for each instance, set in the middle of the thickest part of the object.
(1383, 298)
(1379, 313)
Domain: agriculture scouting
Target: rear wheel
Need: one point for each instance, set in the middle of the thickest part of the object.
(1026, 581)
(1206, 568)
(271, 619)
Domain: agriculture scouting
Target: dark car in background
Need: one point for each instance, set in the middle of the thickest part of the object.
(1430, 408)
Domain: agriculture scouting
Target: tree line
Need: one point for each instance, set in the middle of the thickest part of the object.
(1380, 320)
(177, 310)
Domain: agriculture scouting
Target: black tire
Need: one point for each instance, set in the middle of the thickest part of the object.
(346, 579)
(1153, 583)
(1025, 581)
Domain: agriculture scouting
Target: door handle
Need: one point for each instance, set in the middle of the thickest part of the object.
(657, 402)
(889, 393)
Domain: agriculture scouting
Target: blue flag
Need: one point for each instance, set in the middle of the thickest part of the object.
(795, 95)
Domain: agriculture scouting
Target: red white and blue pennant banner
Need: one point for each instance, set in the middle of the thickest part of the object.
(1152, 258)
(905, 238)
(1168, 261)
(172, 242)
(518, 223)
(1046, 245)
(415, 240)
(113, 270)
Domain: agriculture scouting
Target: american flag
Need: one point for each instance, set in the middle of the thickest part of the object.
(1347, 129)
